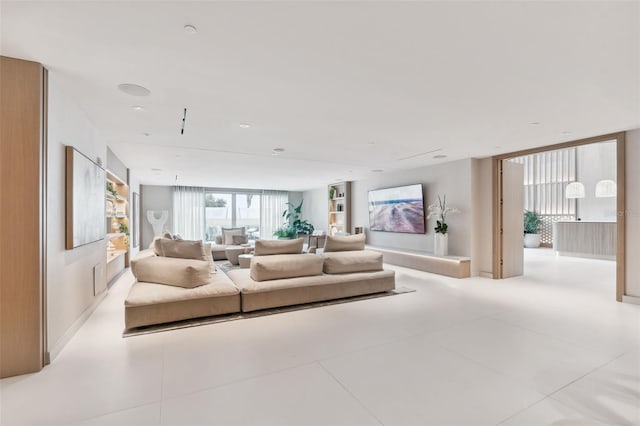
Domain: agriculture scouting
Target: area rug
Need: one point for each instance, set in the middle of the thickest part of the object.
(242, 315)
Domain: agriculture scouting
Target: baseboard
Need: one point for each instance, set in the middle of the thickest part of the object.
(631, 299)
(71, 331)
(485, 274)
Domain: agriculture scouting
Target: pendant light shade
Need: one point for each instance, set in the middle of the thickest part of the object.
(606, 188)
(575, 190)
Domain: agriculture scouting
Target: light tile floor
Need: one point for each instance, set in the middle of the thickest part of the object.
(549, 348)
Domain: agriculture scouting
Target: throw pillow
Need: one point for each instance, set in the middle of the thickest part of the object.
(276, 267)
(187, 273)
(240, 239)
(183, 249)
(228, 233)
(177, 237)
(269, 247)
(344, 242)
(344, 262)
(167, 235)
(219, 239)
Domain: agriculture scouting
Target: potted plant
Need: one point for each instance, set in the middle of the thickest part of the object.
(294, 224)
(532, 222)
(440, 211)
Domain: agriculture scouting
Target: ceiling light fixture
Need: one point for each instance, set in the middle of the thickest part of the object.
(134, 89)
(377, 170)
(190, 29)
(439, 156)
(137, 108)
(244, 125)
(574, 190)
(146, 134)
(277, 151)
(566, 133)
(535, 123)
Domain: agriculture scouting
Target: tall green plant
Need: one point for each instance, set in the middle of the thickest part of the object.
(532, 222)
(294, 224)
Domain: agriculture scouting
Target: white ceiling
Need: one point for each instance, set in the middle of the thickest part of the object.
(344, 87)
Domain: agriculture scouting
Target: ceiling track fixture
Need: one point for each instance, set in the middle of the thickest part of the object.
(184, 120)
(420, 154)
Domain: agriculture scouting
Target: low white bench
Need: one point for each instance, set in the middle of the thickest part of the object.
(450, 266)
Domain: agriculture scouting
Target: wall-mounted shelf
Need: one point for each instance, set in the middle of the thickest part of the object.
(117, 216)
(339, 208)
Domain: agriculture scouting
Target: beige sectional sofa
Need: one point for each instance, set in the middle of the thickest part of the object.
(279, 276)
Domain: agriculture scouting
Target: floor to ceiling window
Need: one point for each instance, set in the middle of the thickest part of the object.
(232, 209)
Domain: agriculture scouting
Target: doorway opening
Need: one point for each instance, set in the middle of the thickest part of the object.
(569, 188)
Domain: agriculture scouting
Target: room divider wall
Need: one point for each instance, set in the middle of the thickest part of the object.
(22, 216)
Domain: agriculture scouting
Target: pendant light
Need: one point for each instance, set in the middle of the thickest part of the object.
(606, 188)
(574, 190)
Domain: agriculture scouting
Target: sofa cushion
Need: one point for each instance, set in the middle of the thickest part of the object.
(240, 239)
(265, 268)
(343, 262)
(219, 239)
(183, 249)
(228, 233)
(268, 247)
(142, 254)
(187, 273)
(344, 242)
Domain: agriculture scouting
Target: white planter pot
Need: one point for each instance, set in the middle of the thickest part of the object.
(531, 240)
(441, 244)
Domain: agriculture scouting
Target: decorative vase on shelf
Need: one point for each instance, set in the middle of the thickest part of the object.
(441, 244)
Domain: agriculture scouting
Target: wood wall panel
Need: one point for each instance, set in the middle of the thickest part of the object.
(21, 132)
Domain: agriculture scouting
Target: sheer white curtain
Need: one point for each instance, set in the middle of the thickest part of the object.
(272, 205)
(188, 212)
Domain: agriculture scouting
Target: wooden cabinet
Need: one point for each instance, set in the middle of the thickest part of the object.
(117, 205)
(339, 208)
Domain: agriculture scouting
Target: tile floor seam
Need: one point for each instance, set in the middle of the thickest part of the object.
(521, 411)
(162, 379)
(583, 376)
(86, 419)
(561, 339)
(233, 382)
(344, 387)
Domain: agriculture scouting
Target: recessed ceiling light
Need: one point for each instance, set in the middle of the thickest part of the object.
(377, 170)
(566, 133)
(137, 108)
(156, 170)
(244, 125)
(439, 156)
(535, 123)
(146, 134)
(134, 89)
(190, 29)
(371, 143)
(278, 150)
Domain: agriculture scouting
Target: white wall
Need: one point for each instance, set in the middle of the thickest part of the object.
(632, 231)
(596, 162)
(315, 208)
(450, 179)
(69, 272)
(153, 197)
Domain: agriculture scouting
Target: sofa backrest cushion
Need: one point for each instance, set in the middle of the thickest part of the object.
(228, 233)
(183, 249)
(187, 273)
(240, 239)
(269, 247)
(266, 268)
(343, 262)
(344, 242)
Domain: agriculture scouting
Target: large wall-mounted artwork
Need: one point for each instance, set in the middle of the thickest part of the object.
(85, 200)
(397, 209)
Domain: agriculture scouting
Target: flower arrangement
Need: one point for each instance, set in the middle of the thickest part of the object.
(440, 211)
